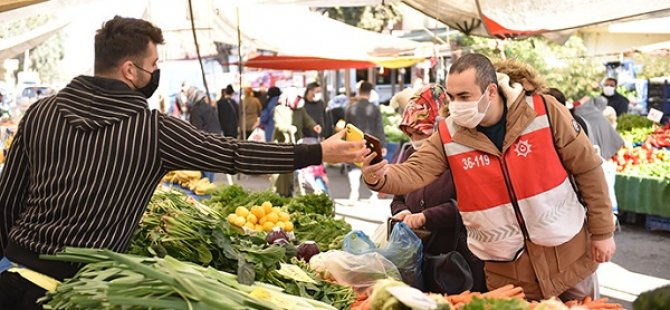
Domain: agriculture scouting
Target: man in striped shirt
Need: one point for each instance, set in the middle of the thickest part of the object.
(85, 162)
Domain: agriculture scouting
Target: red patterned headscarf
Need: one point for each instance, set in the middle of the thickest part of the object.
(422, 110)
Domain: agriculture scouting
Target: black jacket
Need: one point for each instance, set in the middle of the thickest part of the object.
(317, 111)
(229, 112)
(618, 102)
(204, 117)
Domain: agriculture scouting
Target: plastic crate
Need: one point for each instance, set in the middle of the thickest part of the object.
(657, 223)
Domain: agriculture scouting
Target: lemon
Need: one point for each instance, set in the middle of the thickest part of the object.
(263, 220)
(267, 207)
(284, 217)
(252, 219)
(259, 212)
(288, 226)
(258, 227)
(242, 211)
(231, 218)
(268, 226)
(281, 225)
(250, 225)
(240, 221)
(273, 217)
(276, 210)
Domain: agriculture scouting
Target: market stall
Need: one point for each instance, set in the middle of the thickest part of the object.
(257, 250)
(643, 170)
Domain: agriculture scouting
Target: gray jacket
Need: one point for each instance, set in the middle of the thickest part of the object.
(367, 117)
(599, 129)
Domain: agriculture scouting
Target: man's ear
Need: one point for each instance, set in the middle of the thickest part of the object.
(492, 90)
(128, 70)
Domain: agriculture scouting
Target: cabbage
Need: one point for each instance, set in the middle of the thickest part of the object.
(307, 250)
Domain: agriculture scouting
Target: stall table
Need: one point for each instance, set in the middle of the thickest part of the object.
(645, 195)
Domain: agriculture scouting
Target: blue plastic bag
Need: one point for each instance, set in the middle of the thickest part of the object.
(404, 250)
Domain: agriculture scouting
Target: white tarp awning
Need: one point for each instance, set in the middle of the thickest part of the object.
(296, 31)
(505, 18)
(10, 47)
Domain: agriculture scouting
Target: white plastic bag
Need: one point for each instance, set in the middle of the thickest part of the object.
(380, 236)
(257, 135)
(357, 271)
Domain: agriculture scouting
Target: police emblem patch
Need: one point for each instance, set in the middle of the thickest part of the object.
(576, 125)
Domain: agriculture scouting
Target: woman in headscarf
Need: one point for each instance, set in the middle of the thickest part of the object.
(434, 207)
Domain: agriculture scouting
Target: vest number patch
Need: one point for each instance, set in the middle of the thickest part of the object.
(476, 161)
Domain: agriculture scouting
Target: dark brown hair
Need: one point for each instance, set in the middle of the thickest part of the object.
(122, 38)
(365, 88)
(556, 93)
(485, 73)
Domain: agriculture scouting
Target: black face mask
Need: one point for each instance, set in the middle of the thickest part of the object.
(149, 89)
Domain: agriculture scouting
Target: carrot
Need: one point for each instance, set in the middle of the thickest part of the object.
(599, 306)
(587, 299)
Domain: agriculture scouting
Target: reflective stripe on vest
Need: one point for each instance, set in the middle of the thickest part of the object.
(547, 204)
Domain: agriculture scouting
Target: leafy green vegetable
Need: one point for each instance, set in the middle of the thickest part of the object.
(496, 303)
(312, 204)
(319, 228)
(627, 122)
(173, 226)
(120, 281)
(655, 299)
(339, 296)
(176, 226)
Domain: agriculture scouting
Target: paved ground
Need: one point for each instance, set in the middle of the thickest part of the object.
(642, 260)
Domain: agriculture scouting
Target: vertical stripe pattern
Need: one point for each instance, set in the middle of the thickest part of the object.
(84, 164)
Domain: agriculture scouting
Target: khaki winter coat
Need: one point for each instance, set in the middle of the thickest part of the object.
(543, 272)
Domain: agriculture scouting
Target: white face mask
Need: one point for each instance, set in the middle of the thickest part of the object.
(608, 90)
(469, 113)
(317, 97)
(416, 144)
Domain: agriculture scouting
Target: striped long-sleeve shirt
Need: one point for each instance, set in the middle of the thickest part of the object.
(85, 162)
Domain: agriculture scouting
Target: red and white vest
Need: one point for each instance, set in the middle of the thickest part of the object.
(526, 193)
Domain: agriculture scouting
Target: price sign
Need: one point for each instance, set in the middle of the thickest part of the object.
(655, 115)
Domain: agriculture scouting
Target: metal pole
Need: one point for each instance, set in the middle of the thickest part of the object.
(197, 50)
(243, 127)
(347, 82)
(394, 80)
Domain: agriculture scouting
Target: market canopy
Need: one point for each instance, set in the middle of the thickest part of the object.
(512, 18)
(16, 45)
(306, 36)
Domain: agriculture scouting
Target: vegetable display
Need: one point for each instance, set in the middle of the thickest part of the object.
(645, 161)
(326, 231)
(120, 281)
(218, 234)
(627, 122)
